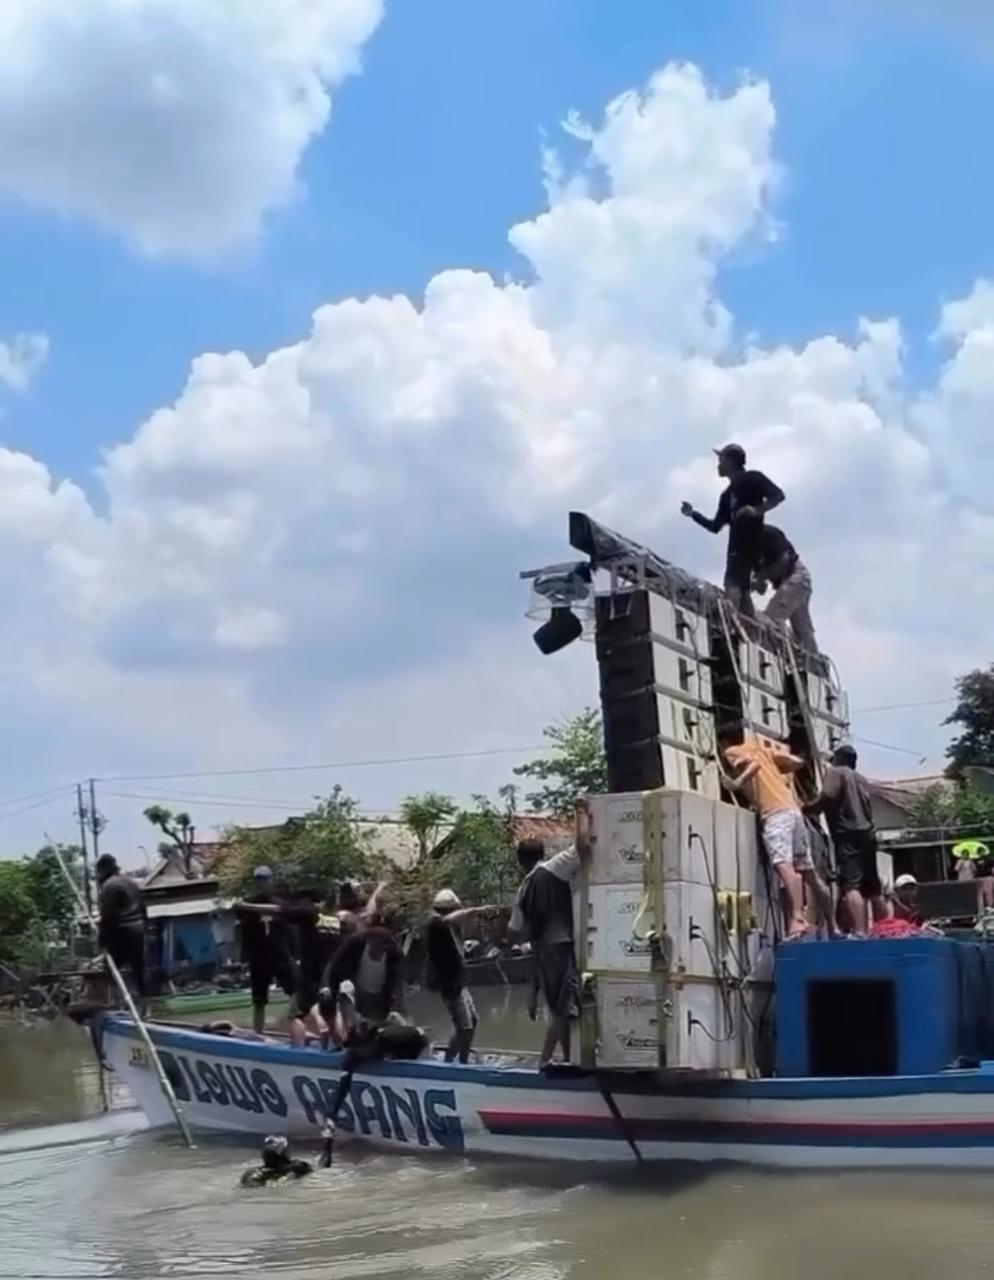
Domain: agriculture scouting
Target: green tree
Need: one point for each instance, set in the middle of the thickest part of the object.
(479, 860)
(476, 859)
(316, 850)
(577, 767)
(959, 809)
(424, 816)
(53, 897)
(20, 925)
(974, 711)
(179, 831)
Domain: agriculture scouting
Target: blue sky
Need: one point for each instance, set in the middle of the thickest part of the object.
(879, 189)
(433, 153)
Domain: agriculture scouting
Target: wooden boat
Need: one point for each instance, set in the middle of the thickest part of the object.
(504, 1107)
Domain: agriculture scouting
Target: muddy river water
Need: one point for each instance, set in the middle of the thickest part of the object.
(83, 1193)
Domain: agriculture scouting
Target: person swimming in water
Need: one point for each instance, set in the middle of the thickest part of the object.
(277, 1164)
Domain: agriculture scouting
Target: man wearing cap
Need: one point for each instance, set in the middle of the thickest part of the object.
(750, 495)
(905, 900)
(446, 968)
(267, 945)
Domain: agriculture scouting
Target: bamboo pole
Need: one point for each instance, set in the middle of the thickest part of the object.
(153, 1053)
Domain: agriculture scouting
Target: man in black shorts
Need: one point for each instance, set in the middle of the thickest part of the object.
(544, 914)
(750, 495)
(845, 800)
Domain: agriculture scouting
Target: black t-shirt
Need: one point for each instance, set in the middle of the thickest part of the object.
(747, 489)
(848, 802)
(265, 934)
(318, 936)
(121, 903)
(774, 546)
(446, 964)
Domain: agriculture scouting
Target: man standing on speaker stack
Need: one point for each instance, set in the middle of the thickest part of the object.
(741, 508)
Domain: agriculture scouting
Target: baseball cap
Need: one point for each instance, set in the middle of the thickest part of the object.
(446, 900)
(732, 451)
(902, 882)
(263, 873)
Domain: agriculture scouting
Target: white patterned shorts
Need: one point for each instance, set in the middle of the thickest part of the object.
(785, 835)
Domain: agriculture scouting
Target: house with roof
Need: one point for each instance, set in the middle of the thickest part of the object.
(191, 927)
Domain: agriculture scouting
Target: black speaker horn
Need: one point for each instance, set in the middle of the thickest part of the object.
(562, 628)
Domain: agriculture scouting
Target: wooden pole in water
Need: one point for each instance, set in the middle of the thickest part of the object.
(164, 1082)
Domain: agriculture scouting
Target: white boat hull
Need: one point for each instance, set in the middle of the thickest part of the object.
(251, 1087)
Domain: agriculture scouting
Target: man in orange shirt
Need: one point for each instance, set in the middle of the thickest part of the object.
(764, 772)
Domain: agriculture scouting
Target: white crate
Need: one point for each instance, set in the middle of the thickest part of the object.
(726, 846)
(693, 941)
(611, 943)
(696, 1031)
(628, 1029)
(680, 834)
(617, 839)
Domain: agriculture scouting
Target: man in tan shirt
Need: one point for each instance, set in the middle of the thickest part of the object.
(764, 771)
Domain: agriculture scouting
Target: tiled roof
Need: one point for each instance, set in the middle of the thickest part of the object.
(540, 827)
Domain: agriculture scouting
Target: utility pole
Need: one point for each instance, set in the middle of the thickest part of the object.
(81, 814)
(95, 823)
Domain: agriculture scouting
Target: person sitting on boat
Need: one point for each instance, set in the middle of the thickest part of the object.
(445, 969)
(544, 914)
(741, 508)
(267, 946)
(763, 770)
(780, 566)
(122, 920)
(361, 982)
(277, 1164)
(846, 803)
(905, 899)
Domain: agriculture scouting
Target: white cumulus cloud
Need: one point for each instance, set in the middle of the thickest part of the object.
(315, 555)
(176, 123)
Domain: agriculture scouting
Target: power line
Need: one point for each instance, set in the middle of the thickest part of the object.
(36, 804)
(921, 756)
(903, 706)
(334, 764)
(256, 804)
(36, 795)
